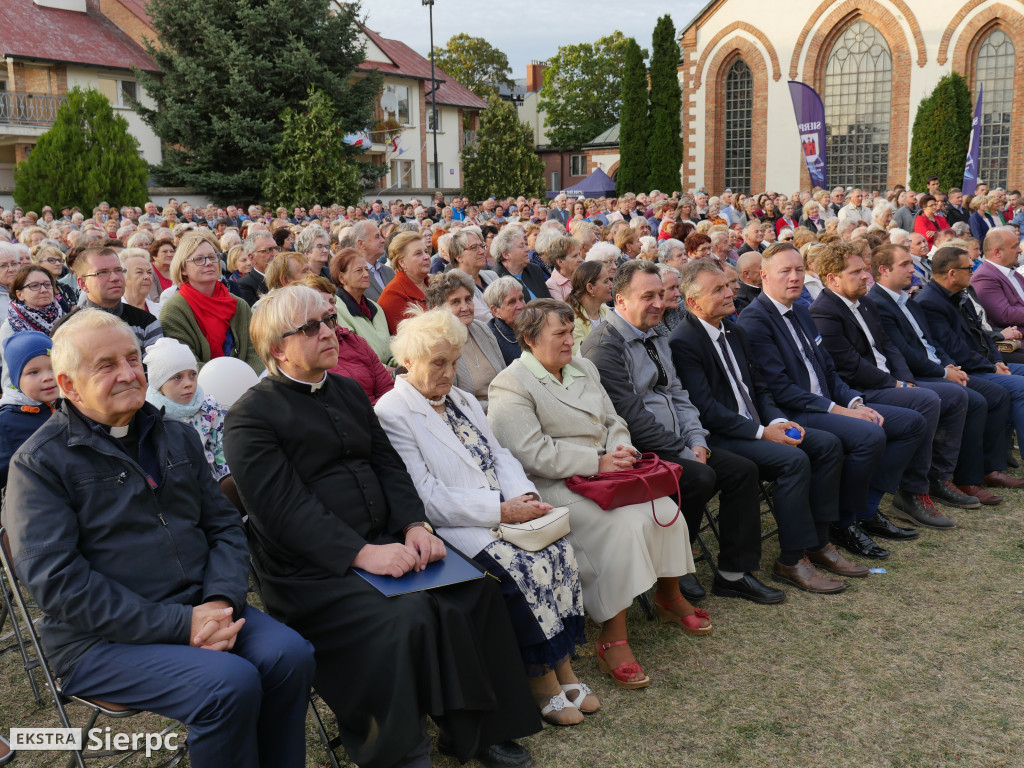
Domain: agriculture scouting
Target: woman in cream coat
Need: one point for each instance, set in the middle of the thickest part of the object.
(469, 484)
(550, 410)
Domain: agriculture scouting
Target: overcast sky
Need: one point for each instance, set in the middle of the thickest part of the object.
(523, 30)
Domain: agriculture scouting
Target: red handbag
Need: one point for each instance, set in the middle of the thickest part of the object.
(649, 479)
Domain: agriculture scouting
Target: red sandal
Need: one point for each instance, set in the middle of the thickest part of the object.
(629, 674)
(689, 624)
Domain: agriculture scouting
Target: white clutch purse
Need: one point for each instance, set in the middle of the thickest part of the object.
(534, 535)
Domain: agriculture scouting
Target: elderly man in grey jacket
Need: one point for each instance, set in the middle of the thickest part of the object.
(635, 364)
(139, 564)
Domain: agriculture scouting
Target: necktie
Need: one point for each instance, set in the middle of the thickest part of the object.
(652, 352)
(724, 346)
(809, 353)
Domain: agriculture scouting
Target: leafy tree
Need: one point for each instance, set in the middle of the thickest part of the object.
(502, 161)
(312, 161)
(665, 148)
(87, 157)
(634, 165)
(474, 63)
(942, 130)
(231, 69)
(582, 90)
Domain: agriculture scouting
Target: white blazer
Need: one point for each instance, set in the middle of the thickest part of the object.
(454, 490)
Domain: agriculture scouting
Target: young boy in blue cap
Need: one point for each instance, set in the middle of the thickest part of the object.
(33, 395)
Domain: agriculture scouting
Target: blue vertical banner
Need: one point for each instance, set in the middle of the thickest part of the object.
(973, 149)
(810, 122)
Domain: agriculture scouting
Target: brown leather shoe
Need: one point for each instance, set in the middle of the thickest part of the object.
(1003, 480)
(982, 494)
(829, 559)
(807, 577)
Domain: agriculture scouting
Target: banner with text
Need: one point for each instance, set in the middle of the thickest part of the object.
(973, 149)
(810, 122)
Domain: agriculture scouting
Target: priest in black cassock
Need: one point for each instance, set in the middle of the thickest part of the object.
(325, 491)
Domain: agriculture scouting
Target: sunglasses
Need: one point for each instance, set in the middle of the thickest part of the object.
(312, 328)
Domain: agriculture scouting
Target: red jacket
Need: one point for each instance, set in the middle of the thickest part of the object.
(923, 226)
(397, 296)
(357, 360)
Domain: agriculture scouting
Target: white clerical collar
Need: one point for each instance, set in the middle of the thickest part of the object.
(312, 387)
(120, 432)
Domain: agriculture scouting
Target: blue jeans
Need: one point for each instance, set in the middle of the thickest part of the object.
(244, 708)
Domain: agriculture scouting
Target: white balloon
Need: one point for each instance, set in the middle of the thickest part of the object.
(226, 379)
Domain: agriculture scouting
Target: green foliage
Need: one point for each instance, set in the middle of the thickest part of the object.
(87, 157)
(474, 63)
(582, 91)
(665, 147)
(942, 130)
(312, 161)
(231, 69)
(502, 162)
(633, 162)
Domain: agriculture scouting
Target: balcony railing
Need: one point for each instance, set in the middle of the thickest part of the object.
(28, 108)
(468, 138)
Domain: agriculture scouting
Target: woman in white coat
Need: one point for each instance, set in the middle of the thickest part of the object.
(469, 484)
(550, 410)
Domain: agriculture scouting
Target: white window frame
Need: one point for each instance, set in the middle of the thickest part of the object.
(576, 161)
(430, 120)
(395, 89)
(397, 174)
(556, 180)
(119, 84)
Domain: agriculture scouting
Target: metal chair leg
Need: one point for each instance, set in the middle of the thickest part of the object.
(8, 609)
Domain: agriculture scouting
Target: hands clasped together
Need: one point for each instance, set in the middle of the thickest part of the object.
(419, 550)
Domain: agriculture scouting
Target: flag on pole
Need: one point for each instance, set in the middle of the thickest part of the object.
(810, 123)
(973, 149)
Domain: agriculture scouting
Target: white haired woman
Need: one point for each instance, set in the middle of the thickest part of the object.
(334, 496)
(315, 244)
(881, 214)
(505, 298)
(468, 253)
(138, 280)
(481, 359)
(469, 484)
(550, 410)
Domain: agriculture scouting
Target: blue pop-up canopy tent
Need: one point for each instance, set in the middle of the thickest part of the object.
(595, 185)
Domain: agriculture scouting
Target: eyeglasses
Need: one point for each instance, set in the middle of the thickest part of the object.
(966, 269)
(103, 274)
(38, 286)
(312, 328)
(476, 247)
(268, 249)
(9, 265)
(202, 261)
(321, 247)
(52, 260)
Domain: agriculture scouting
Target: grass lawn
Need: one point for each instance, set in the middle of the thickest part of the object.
(916, 668)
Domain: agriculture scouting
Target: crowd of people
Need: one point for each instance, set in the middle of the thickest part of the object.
(431, 372)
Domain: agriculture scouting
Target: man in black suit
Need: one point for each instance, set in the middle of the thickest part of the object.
(865, 358)
(879, 442)
(984, 436)
(749, 268)
(261, 248)
(712, 357)
(753, 238)
(954, 210)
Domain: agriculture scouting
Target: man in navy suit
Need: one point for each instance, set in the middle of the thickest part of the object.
(984, 436)
(712, 357)
(958, 330)
(865, 358)
(878, 443)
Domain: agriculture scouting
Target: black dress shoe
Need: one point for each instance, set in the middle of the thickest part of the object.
(507, 754)
(691, 588)
(883, 527)
(853, 539)
(1011, 462)
(749, 588)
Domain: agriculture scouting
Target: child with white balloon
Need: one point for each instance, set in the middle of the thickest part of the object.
(173, 386)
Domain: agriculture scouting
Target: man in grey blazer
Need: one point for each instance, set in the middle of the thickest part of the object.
(370, 244)
(635, 364)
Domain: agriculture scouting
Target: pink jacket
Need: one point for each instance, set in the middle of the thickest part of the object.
(357, 360)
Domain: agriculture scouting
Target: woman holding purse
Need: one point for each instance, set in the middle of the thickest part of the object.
(550, 410)
(469, 484)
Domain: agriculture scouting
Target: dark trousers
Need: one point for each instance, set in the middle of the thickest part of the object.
(1013, 384)
(806, 480)
(927, 404)
(875, 457)
(954, 404)
(983, 446)
(245, 708)
(739, 506)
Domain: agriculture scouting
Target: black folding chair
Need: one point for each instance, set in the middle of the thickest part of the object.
(6, 753)
(768, 507)
(96, 707)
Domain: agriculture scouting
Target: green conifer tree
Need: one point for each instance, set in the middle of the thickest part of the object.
(665, 146)
(942, 130)
(88, 156)
(634, 165)
(502, 161)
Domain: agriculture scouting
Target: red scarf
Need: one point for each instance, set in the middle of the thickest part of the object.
(212, 313)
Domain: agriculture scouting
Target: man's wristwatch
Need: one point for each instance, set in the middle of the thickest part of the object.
(421, 524)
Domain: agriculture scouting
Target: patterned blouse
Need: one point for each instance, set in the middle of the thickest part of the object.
(473, 439)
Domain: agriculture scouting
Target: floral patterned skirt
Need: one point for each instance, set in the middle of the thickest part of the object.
(544, 600)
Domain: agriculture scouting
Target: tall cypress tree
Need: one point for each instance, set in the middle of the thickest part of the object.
(665, 147)
(502, 161)
(86, 157)
(942, 130)
(231, 69)
(634, 167)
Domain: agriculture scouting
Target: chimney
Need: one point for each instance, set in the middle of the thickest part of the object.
(535, 75)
